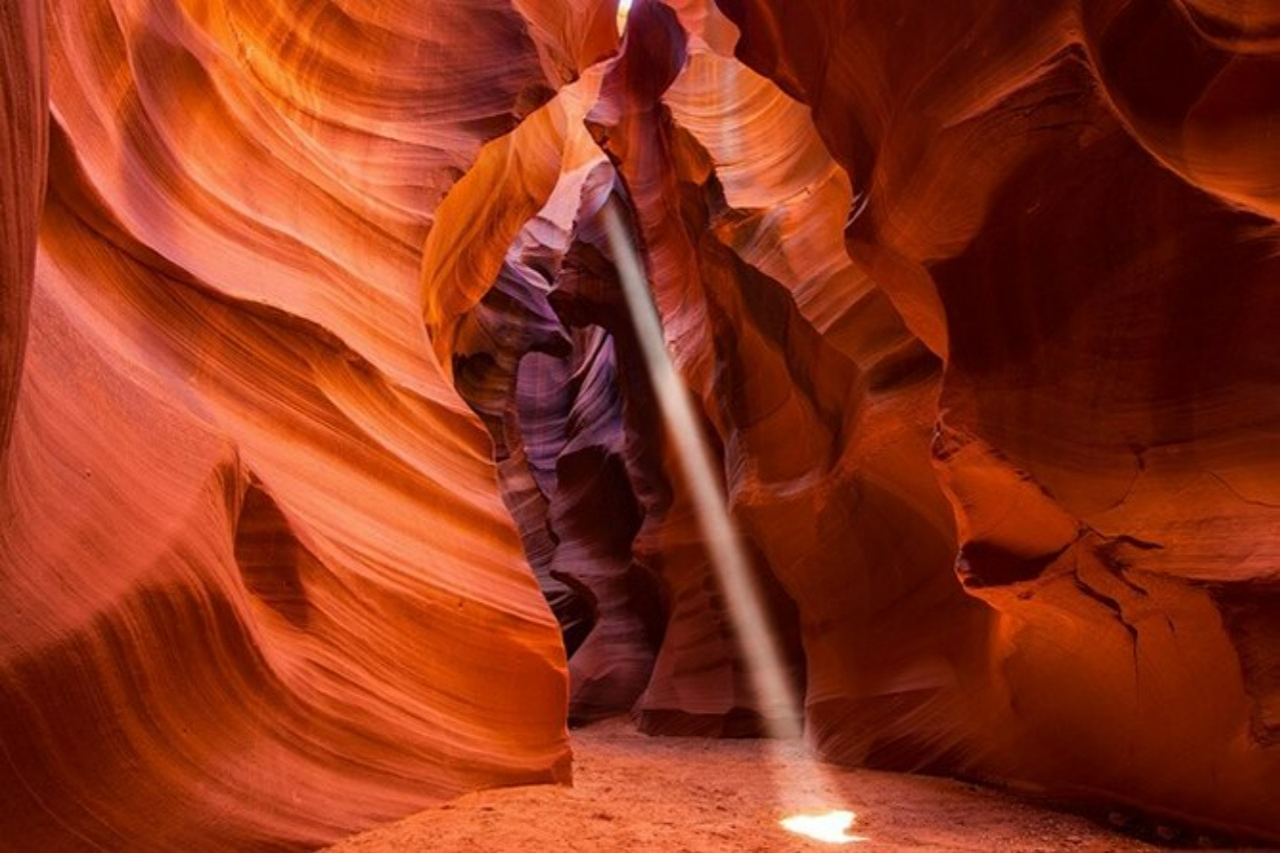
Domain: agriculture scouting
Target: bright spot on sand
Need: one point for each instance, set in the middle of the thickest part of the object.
(830, 827)
(624, 9)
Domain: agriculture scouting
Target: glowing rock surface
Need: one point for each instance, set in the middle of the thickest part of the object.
(325, 436)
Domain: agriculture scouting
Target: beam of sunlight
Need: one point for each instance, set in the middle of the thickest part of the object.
(768, 674)
(805, 790)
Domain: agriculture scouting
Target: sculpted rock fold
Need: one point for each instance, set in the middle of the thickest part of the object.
(262, 590)
(332, 480)
(23, 131)
(1074, 208)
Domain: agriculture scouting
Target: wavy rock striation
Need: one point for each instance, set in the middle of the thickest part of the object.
(260, 589)
(1087, 244)
(322, 411)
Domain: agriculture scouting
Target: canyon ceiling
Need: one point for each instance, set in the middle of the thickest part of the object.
(333, 484)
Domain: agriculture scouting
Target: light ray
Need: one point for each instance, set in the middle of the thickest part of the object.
(768, 674)
(801, 781)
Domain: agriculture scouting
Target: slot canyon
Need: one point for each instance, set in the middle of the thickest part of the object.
(338, 492)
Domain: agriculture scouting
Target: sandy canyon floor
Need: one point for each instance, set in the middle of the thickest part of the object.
(688, 795)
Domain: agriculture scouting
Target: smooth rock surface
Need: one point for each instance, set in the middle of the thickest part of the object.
(333, 486)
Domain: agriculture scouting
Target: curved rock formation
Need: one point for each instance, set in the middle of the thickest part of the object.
(23, 151)
(260, 590)
(1087, 243)
(1003, 379)
(321, 409)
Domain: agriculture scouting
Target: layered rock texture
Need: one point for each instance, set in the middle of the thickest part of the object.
(333, 484)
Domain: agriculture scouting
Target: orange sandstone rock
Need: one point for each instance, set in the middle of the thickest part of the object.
(321, 412)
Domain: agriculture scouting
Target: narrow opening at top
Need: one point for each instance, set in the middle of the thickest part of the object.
(624, 10)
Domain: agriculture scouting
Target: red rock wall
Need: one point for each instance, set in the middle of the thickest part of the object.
(23, 151)
(1073, 207)
(974, 301)
(259, 588)
(988, 363)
